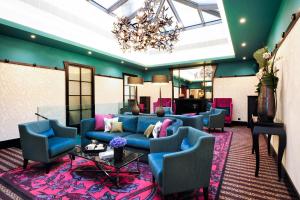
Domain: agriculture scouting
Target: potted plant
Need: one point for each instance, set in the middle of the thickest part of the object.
(118, 144)
(267, 85)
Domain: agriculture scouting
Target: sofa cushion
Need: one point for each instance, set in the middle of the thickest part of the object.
(99, 121)
(185, 144)
(129, 123)
(116, 127)
(145, 121)
(156, 164)
(205, 121)
(105, 136)
(48, 133)
(58, 145)
(163, 130)
(138, 140)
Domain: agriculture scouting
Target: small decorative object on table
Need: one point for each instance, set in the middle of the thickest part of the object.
(118, 144)
(95, 147)
(266, 88)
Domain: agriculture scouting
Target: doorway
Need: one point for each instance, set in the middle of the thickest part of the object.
(80, 94)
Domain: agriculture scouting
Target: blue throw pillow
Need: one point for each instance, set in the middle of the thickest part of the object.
(145, 121)
(227, 110)
(185, 144)
(129, 123)
(48, 133)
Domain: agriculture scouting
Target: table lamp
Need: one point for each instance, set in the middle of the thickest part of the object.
(160, 80)
(135, 81)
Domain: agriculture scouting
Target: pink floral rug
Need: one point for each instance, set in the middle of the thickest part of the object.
(65, 183)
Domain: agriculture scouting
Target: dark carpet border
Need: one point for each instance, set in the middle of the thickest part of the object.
(24, 195)
(222, 175)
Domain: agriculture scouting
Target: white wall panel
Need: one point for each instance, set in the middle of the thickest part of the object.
(288, 96)
(108, 95)
(237, 88)
(152, 90)
(22, 90)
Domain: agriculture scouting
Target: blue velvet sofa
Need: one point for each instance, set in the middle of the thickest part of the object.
(195, 121)
(183, 161)
(46, 140)
(133, 130)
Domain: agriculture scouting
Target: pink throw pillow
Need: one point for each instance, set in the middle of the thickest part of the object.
(163, 131)
(99, 124)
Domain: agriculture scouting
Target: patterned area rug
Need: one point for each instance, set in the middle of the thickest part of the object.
(65, 183)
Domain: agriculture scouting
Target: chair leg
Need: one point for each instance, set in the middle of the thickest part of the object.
(153, 179)
(209, 130)
(47, 166)
(222, 129)
(25, 163)
(205, 193)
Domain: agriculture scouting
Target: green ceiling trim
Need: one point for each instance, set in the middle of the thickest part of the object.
(53, 37)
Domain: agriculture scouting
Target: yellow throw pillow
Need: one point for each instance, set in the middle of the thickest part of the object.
(148, 131)
(116, 127)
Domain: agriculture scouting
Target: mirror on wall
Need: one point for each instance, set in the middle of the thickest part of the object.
(195, 82)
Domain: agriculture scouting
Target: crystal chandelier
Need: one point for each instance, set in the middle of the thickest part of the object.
(148, 29)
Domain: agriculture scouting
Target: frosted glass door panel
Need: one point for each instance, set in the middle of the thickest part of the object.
(74, 117)
(74, 73)
(74, 88)
(86, 114)
(86, 102)
(86, 75)
(86, 88)
(74, 102)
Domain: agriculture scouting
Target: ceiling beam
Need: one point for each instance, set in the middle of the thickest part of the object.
(161, 4)
(188, 3)
(202, 25)
(211, 6)
(94, 3)
(116, 5)
(175, 12)
(213, 12)
(201, 15)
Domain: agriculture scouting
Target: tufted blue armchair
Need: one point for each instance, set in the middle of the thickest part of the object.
(45, 140)
(215, 118)
(183, 161)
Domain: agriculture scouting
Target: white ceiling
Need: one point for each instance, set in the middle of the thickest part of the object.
(80, 23)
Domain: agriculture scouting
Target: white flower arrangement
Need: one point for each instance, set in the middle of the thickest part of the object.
(267, 55)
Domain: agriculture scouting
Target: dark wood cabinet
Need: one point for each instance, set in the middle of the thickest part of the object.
(184, 106)
(252, 108)
(146, 101)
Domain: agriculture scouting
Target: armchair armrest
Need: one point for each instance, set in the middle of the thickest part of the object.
(169, 143)
(30, 141)
(63, 131)
(217, 119)
(205, 114)
(87, 125)
(198, 157)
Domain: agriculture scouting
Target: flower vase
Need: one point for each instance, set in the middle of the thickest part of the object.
(118, 154)
(266, 104)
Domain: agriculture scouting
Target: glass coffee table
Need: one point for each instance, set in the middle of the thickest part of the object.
(101, 164)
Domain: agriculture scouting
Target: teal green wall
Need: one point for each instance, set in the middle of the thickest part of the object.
(282, 20)
(30, 52)
(236, 69)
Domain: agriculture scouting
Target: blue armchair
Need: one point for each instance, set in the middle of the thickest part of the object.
(45, 140)
(215, 118)
(183, 161)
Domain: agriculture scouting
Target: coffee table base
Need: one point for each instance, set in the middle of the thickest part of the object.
(108, 173)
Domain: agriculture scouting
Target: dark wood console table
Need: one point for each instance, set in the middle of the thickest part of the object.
(270, 129)
(184, 106)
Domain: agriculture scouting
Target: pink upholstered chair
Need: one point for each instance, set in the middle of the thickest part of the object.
(226, 104)
(165, 102)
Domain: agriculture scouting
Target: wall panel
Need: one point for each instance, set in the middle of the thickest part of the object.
(22, 90)
(237, 88)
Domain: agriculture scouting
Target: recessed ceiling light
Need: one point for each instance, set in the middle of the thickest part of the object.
(243, 20)
(243, 44)
(32, 36)
(122, 62)
(89, 52)
(146, 68)
(244, 58)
